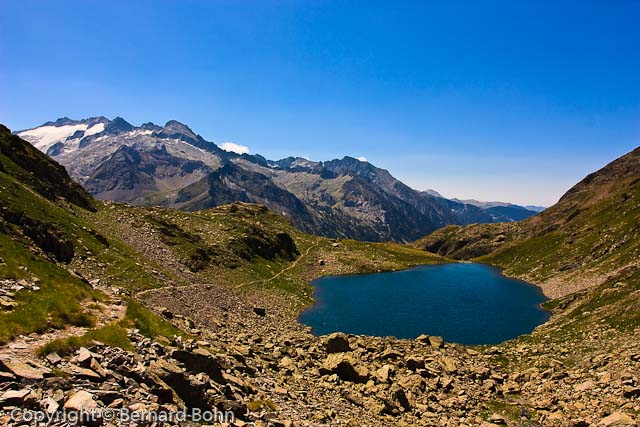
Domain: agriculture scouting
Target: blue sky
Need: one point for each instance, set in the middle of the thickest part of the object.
(495, 100)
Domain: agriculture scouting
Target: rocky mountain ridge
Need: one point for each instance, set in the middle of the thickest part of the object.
(172, 166)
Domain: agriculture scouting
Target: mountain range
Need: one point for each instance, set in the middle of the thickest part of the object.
(172, 166)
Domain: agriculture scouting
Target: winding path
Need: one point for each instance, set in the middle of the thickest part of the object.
(284, 270)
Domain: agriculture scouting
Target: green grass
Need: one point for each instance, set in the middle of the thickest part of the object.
(149, 324)
(115, 334)
(58, 303)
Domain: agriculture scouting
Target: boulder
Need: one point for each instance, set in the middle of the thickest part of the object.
(436, 342)
(22, 370)
(53, 358)
(617, 419)
(200, 360)
(423, 339)
(336, 343)
(81, 401)
(587, 385)
(164, 374)
(345, 367)
(14, 397)
(384, 374)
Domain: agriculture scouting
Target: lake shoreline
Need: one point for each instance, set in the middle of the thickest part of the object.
(459, 295)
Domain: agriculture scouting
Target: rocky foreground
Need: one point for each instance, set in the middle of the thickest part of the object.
(280, 375)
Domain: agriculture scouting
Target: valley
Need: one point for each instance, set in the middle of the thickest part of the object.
(153, 308)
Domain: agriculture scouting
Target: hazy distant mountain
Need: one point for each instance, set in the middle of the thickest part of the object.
(536, 208)
(173, 166)
(515, 212)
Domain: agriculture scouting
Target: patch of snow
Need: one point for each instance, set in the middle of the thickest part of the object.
(45, 136)
(94, 129)
(235, 148)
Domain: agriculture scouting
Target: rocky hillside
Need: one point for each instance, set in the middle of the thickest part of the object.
(593, 231)
(172, 166)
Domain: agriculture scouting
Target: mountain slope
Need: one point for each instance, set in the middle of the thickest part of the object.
(592, 231)
(172, 166)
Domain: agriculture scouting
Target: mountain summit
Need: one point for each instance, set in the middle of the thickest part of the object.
(173, 166)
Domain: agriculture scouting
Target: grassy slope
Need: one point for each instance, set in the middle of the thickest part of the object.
(227, 236)
(30, 208)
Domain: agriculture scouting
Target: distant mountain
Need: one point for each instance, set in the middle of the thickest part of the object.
(173, 166)
(509, 210)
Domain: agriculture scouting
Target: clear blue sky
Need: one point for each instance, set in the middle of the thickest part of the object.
(496, 100)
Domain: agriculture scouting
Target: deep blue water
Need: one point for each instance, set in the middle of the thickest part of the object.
(465, 303)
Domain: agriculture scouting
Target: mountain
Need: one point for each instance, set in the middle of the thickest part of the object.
(593, 230)
(172, 166)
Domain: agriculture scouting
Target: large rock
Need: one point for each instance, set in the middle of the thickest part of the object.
(200, 360)
(81, 401)
(14, 397)
(165, 374)
(336, 343)
(436, 342)
(617, 419)
(22, 370)
(345, 367)
(384, 374)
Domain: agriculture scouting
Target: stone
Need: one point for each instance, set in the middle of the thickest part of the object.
(423, 339)
(84, 356)
(169, 377)
(14, 397)
(97, 368)
(390, 354)
(84, 373)
(587, 385)
(436, 342)
(22, 370)
(81, 401)
(345, 367)
(260, 311)
(617, 419)
(384, 374)
(497, 419)
(49, 405)
(631, 392)
(449, 364)
(414, 363)
(336, 343)
(53, 358)
(200, 360)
